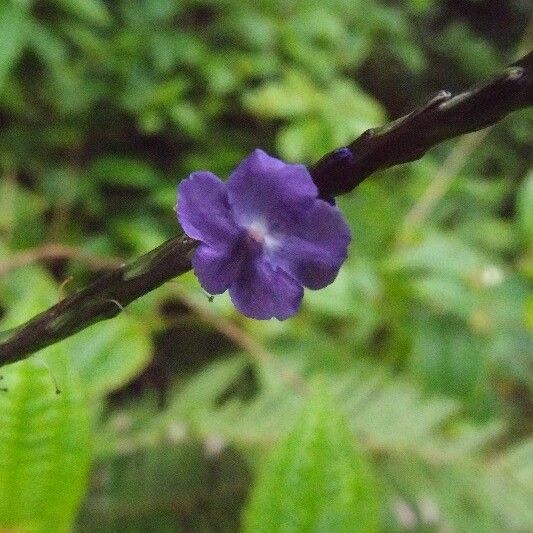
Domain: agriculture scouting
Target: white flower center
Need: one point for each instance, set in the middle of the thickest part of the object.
(258, 231)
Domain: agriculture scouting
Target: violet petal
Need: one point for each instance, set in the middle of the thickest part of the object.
(216, 268)
(314, 252)
(265, 189)
(261, 292)
(204, 212)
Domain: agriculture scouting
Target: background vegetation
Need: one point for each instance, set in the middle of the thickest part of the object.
(399, 398)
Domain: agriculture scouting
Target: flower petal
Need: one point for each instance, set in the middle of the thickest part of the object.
(262, 292)
(203, 210)
(266, 190)
(315, 251)
(216, 268)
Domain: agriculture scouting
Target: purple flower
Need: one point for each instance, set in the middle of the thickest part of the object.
(264, 235)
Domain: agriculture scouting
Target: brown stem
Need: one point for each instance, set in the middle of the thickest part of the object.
(57, 251)
(105, 298)
(408, 138)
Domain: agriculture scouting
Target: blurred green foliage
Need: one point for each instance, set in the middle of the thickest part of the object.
(315, 480)
(416, 362)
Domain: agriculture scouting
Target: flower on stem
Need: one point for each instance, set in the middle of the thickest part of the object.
(264, 235)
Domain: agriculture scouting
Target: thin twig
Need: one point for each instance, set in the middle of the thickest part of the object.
(58, 251)
(442, 181)
(242, 339)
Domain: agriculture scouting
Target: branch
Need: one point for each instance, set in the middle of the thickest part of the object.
(339, 172)
(105, 298)
(410, 137)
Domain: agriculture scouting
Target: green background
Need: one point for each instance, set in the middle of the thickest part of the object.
(398, 398)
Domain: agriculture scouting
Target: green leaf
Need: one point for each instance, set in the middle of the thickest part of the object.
(296, 96)
(315, 480)
(141, 233)
(8, 194)
(449, 359)
(12, 38)
(304, 138)
(48, 46)
(200, 394)
(178, 480)
(45, 444)
(124, 171)
(440, 254)
(27, 291)
(93, 11)
(109, 355)
(508, 487)
(45, 447)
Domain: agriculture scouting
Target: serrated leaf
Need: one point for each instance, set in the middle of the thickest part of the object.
(46, 445)
(315, 480)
